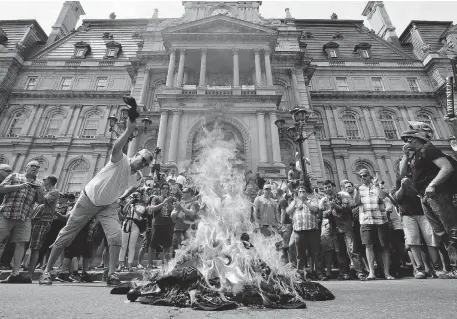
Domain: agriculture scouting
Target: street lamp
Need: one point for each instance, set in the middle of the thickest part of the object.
(121, 123)
(297, 133)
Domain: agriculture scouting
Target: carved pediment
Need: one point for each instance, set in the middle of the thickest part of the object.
(219, 24)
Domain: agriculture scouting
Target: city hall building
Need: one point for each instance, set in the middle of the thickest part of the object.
(223, 64)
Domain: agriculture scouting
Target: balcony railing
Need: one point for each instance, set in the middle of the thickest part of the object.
(219, 90)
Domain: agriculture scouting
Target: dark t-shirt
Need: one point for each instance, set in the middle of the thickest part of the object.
(410, 204)
(424, 170)
(162, 216)
(282, 203)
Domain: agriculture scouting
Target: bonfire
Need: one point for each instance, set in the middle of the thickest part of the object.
(226, 262)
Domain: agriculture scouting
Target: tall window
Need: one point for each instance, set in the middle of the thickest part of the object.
(426, 118)
(101, 84)
(319, 127)
(329, 172)
(111, 52)
(54, 124)
(66, 83)
(342, 84)
(351, 126)
(90, 127)
(17, 123)
(388, 125)
(413, 85)
(31, 83)
(377, 84)
(76, 176)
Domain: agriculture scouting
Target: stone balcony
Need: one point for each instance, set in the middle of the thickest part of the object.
(219, 90)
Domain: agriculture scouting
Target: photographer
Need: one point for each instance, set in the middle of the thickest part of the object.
(133, 225)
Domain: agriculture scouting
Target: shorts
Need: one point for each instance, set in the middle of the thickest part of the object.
(376, 235)
(39, 231)
(418, 227)
(18, 230)
(162, 235)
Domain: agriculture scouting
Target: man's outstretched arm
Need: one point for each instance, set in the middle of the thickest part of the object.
(119, 144)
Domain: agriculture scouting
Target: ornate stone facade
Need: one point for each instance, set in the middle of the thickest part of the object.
(221, 62)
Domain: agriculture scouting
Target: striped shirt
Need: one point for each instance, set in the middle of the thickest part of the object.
(302, 218)
(372, 209)
(19, 205)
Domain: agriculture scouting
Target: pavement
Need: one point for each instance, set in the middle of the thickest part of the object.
(404, 298)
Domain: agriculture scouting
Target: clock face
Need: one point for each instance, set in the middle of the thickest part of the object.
(220, 11)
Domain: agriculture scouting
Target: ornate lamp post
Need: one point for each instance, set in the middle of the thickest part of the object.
(121, 122)
(297, 133)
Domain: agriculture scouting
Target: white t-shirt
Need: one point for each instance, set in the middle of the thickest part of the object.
(111, 182)
(181, 180)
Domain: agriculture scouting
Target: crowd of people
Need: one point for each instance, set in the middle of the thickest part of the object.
(363, 229)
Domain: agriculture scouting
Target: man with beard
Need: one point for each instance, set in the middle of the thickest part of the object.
(431, 170)
(21, 191)
(99, 199)
(162, 225)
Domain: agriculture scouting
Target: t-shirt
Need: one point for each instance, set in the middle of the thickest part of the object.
(267, 208)
(424, 170)
(111, 182)
(45, 211)
(410, 203)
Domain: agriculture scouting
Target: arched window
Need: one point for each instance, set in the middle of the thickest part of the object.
(76, 177)
(426, 118)
(329, 172)
(3, 159)
(350, 125)
(90, 125)
(16, 124)
(319, 127)
(361, 165)
(54, 124)
(388, 125)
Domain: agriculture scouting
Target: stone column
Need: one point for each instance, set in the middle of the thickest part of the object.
(369, 120)
(268, 68)
(182, 60)
(236, 68)
(391, 169)
(295, 85)
(202, 81)
(73, 131)
(330, 121)
(133, 147)
(262, 137)
(172, 152)
(162, 131)
(171, 68)
(144, 89)
(275, 139)
(31, 124)
(341, 131)
(258, 72)
(340, 168)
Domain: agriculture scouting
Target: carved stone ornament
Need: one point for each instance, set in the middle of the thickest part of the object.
(137, 35)
(338, 35)
(362, 46)
(448, 48)
(334, 16)
(308, 35)
(107, 35)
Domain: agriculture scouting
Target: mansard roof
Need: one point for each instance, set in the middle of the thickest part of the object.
(16, 29)
(95, 32)
(348, 34)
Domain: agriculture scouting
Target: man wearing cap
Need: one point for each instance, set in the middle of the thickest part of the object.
(431, 170)
(374, 227)
(43, 215)
(266, 211)
(21, 191)
(99, 199)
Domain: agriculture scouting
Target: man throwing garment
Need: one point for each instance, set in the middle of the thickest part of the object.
(99, 199)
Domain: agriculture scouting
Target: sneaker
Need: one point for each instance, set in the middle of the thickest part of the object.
(75, 277)
(452, 252)
(17, 279)
(85, 277)
(64, 277)
(431, 274)
(361, 276)
(420, 275)
(113, 280)
(45, 279)
(139, 267)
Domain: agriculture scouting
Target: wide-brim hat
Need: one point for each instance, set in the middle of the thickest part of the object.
(418, 130)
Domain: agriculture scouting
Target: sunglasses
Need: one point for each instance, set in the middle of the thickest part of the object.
(364, 175)
(409, 139)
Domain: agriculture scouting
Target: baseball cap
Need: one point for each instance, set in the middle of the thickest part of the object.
(6, 168)
(267, 186)
(146, 154)
(364, 171)
(418, 130)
